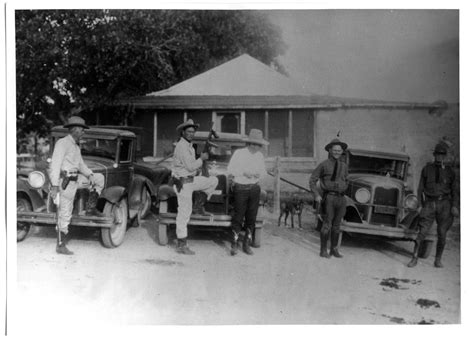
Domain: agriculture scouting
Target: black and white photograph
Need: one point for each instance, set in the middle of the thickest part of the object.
(233, 165)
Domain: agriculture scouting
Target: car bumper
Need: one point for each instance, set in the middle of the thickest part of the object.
(46, 218)
(198, 220)
(384, 231)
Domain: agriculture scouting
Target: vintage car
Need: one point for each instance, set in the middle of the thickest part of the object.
(379, 202)
(129, 192)
(220, 203)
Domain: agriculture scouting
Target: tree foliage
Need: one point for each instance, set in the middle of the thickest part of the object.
(70, 61)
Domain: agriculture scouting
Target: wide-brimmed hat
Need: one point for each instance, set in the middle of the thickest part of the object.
(335, 141)
(76, 121)
(440, 148)
(187, 124)
(256, 137)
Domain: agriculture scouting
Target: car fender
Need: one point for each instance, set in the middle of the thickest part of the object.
(352, 213)
(410, 221)
(134, 195)
(113, 194)
(33, 195)
(165, 192)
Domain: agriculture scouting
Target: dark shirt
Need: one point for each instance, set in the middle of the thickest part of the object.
(446, 185)
(324, 171)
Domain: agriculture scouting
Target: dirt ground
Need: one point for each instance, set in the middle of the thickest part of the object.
(284, 282)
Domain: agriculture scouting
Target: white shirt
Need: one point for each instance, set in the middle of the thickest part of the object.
(184, 159)
(67, 156)
(243, 161)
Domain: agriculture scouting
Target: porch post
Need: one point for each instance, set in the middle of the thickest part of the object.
(315, 143)
(290, 133)
(155, 134)
(266, 124)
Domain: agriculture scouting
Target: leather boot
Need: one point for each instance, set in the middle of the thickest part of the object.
(183, 248)
(91, 204)
(414, 259)
(334, 249)
(246, 243)
(198, 205)
(61, 244)
(324, 245)
(439, 253)
(233, 243)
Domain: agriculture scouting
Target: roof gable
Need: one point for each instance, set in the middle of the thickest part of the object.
(242, 76)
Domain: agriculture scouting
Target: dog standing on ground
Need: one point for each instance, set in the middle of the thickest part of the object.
(291, 207)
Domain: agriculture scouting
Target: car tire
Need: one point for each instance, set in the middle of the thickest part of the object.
(22, 228)
(257, 238)
(425, 249)
(145, 202)
(114, 236)
(162, 234)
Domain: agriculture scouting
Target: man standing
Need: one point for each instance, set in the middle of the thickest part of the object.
(438, 194)
(247, 168)
(332, 175)
(184, 172)
(68, 172)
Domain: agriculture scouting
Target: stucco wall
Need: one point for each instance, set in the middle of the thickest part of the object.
(414, 132)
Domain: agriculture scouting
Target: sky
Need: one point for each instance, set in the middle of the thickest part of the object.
(402, 55)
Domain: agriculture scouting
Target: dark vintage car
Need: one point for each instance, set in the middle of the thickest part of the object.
(129, 192)
(220, 203)
(379, 202)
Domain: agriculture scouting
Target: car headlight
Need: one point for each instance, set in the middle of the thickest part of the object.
(411, 202)
(362, 195)
(36, 179)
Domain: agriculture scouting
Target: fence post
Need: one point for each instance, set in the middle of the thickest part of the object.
(276, 188)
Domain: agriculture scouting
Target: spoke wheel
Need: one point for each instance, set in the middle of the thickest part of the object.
(114, 236)
(22, 228)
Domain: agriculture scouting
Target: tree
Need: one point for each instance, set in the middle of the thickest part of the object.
(72, 61)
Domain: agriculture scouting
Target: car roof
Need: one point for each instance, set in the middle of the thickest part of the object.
(107, 133)
(380, 154)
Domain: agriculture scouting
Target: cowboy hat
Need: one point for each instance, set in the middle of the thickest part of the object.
(256, 137)
(187, 124)
(440, 148)
(76, 121)
(335, 141)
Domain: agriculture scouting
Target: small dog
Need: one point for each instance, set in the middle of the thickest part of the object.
(291, 207)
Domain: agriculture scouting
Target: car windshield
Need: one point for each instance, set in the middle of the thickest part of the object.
(222, 153)
(377, 166)
(99, 147)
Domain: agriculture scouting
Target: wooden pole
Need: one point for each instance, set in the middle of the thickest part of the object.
(315, 133)
(276, 189)
(290, 133)
(155, 134)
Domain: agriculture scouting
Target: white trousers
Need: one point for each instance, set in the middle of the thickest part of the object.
(66, 197)
(185, 201)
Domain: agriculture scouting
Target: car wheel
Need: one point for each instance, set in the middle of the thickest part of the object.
(22, 228)
(146, 203)
(114, 236)
(257, 237)
(162, 234)
(425, 249)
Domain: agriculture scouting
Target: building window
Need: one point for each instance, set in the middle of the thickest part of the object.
(229, 121)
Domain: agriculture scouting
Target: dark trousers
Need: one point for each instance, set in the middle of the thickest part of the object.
(246, 201)
(334, 210)
(439, 211)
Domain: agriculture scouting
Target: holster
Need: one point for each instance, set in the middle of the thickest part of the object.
(179, 182)
(66, 179)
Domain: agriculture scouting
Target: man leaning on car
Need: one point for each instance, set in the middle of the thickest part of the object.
(68, 172)
(438, 192)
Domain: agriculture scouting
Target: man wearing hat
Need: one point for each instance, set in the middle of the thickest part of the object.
(67, 165)
(438, 193)
(184, 172)
(247, 169)
(332, 176)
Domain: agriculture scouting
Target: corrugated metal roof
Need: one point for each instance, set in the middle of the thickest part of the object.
(242, 76)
